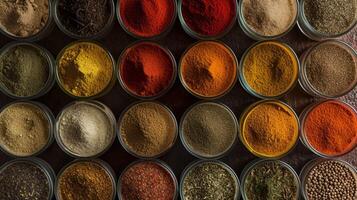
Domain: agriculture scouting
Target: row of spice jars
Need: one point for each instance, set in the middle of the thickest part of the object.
(261, 20)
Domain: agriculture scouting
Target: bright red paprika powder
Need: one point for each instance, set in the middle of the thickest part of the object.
(209, 17)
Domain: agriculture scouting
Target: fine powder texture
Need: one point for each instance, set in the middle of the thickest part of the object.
(331, 128)
(147, 18)
(85, 129)
(331, 69)
(84, 17)
(208, 17)
(146, 69)
(269, 17)
(208, 68)
(23, 18)
(209, 129)
(270, 129)
(85, 180)
(24, 71)
(24, 181)
(24, 129)
(270, 69)
(147, 181)
(147, 129)
(85, 69)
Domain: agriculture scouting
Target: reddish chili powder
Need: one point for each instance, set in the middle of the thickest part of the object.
(147, 18)
(208, 17)
(331, 128)
(147, 181)
(146, 69)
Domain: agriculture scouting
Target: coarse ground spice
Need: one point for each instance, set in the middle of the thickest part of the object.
(147, 129)
(24, 180)
(24, 129)
(209, 69)
(269, 129)
(209, 181)
(208, 17)
(147, 18)
(209, 129)
(85, 69)
(270, 69)
(331, 128)
(146, 69)
(147, 180)
(85, 180)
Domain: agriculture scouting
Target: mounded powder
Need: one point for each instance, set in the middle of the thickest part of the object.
(85, 129)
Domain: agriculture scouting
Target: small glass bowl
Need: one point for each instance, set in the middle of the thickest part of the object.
(190, 149)
(246, 85)
(50, 119)
(248, 168)
(256, 36)
(128, 90)
(312, 164)
(195, 164)
(104, 165)
(199, 36)
(50, 61)
(127, 148)
(155, 161)
(45, 31)
(188, 89)
(309, 31)
(303, 79)
(105, 30)
(100, 94)
(39, 163)
(303, 138)
(155, 37)
(97, 105)
(244, 116)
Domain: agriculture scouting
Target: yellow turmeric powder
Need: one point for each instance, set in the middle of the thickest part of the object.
(85, 69)
(208, 69)
(269, 128)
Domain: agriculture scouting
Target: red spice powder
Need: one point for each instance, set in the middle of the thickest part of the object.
(146, 69)
(331, 128)
(147, 181)
(208, 17)
(147, 18)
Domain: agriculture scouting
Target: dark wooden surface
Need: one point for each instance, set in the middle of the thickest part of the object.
(178, 99)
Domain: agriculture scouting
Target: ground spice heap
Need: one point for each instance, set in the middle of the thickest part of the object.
(24, 129)
(330, 17)
(147, 18)
(23, 18)
(270, 17)
(331, 128)
(208, 69)
(208, 17)
(331, 69)
(269, 129)
(85, 180)
(147, 129)
(209, 129)
(85, 129)
(85, 69)
(84, 18)
(331, 179)
(24, 70)
(271, 180)
(270, 69)
(210, 181)
(146, 69)
(24, 181)
(146, 181)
